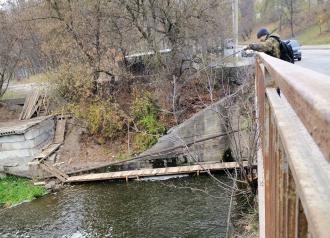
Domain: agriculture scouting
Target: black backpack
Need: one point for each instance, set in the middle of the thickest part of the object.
(285, 50)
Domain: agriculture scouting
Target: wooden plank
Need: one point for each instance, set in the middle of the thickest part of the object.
(24, 107)
(42, 183)
(37, 103)
(44, 103)
(33, 103)
(52, 172)
(59, 131)
(154, 172)
(47, 151)
(57, 171)
(29, 104)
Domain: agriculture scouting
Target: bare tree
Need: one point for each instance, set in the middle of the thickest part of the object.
(290, 5)
(87, 25)
(247, 18)
(187, 28)
(10, 51)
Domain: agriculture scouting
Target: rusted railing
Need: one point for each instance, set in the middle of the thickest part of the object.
(293, 107)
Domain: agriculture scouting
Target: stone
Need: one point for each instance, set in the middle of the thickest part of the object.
(50, 185)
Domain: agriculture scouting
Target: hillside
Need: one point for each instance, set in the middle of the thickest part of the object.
(306, 36)
(309, 21)
(312, 36)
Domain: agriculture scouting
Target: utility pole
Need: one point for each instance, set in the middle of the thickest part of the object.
(235, 23)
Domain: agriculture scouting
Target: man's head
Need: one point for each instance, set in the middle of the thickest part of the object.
(262, 34)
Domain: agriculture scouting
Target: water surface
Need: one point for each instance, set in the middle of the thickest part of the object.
(119, 209)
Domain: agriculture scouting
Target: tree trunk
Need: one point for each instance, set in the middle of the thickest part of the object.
(174, 99)
(95, 78)
(291, 18)
(281, 17)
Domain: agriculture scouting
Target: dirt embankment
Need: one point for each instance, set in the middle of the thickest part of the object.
(80, 151)
(8, 113)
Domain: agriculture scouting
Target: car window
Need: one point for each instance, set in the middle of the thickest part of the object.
(294, 43)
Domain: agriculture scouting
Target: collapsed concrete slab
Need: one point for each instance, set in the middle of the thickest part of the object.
(202, 126)
(209, 135)
(21, 140)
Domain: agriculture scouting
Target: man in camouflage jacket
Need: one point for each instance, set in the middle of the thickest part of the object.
(268, 44)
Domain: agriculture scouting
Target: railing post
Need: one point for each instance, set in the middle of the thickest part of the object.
(302, 225)
(291, 211)
(270, 153)
(272, 175)
(267, 170)
(283, 191)
(278, 184)
(260, 111)
(267, 130)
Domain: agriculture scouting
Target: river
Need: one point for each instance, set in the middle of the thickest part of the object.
(166, 208)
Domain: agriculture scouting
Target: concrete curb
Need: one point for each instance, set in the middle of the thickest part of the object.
(315, 47)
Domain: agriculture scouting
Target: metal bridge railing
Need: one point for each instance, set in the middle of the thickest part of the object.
(293, 108)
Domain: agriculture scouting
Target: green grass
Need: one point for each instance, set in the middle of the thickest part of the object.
(312, 36)
(14, 190)
(123, 156)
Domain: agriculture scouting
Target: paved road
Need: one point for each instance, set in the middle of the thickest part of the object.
(28, 87)
(317, 60)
